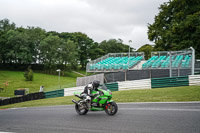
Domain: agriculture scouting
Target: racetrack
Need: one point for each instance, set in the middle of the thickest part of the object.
(131, 117)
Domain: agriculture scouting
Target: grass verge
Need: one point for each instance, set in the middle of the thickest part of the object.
(173, 94)
(16, 80)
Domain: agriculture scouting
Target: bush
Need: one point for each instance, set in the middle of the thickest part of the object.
(29, 74)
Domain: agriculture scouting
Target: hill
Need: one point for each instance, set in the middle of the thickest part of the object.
(16, 80)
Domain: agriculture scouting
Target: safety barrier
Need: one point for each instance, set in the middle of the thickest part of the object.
(169, 82)
(32, 96)
(135, 84)
(112, 86)
(194, 79)
(56, 93)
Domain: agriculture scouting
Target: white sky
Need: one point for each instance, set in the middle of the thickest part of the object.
(99, 19)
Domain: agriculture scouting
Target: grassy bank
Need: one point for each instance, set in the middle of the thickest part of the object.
(173, 94)
(16, 80)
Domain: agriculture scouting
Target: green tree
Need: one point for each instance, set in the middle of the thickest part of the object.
(114, 46)
(35, 36)
(177, 26)
(69, 54)
(84, 46)
(50, 51)
(18, 49)
(29, 74)
(147, 49)
(5, 26)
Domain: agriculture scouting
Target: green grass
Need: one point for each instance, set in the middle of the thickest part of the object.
(50, 82)
(173, 94)
(84, 72)
(43, 102)
(72, 74)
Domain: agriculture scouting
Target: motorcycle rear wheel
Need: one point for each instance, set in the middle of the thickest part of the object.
(111, 108)
(80, 111)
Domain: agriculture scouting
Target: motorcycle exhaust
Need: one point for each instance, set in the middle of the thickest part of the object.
(74, 101)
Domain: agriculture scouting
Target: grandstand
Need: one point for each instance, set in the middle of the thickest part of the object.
(115, 62)
(161, 59)
(133, 66)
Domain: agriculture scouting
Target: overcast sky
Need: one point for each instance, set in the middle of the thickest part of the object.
(99, 19)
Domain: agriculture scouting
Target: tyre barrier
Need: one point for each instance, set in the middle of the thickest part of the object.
(29, 97)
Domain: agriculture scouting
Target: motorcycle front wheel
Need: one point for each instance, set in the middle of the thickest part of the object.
(111, 108)
(80, 111)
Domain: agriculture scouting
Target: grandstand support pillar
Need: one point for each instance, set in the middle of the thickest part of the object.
(170, 64)
(178, 71)
(125, 76)
(130, 41)
(193, 60)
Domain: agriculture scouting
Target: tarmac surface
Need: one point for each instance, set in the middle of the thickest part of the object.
(174, 117)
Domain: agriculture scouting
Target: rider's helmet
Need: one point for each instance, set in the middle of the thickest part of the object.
(96, 83)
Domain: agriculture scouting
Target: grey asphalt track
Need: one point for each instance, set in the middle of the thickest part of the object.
(131, 118)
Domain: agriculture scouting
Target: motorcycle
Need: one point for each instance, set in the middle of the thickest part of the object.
(100, 101)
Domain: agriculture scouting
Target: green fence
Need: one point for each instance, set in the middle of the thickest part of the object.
(56, 93)
(112, 86)
(169, 82)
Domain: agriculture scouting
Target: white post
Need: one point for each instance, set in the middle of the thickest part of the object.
(59, 77)
(193, 60)
(129, 52)
(170, 64)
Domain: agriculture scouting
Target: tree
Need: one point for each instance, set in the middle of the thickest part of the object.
(114, 46)
(18, 49)
(177, 26)
(50, 51)
(147, 49)
(5, 26)
(35, 36)
(84, 46)
(95, 52)
(69, 54)
(28, 74)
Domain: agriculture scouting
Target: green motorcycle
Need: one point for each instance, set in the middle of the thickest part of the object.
(100, 101)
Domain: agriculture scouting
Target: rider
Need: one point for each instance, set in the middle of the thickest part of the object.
(88, 91)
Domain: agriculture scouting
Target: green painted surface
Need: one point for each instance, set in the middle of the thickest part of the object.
(112, 86)
(56, 93)
(169, 82)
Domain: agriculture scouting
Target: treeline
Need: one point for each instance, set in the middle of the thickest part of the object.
(34, 45)
(177, 26)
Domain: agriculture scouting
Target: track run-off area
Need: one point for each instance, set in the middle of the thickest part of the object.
(162, 117)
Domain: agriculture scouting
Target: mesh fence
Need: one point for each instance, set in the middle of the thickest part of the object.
(82, 81)
(197, 66)
(144, 74)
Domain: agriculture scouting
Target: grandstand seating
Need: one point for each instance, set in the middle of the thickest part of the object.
(186, 61)
(164, 62)
(149, 62)
(116, 63)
